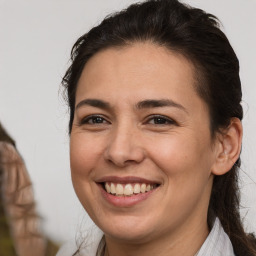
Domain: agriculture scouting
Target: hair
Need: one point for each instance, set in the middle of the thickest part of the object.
(19, 220)
(197, 36)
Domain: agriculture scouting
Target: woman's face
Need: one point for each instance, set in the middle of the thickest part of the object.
(141, 149)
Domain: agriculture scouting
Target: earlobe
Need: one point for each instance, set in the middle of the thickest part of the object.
(229, 149)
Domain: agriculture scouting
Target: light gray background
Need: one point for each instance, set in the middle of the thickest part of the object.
(35, 40)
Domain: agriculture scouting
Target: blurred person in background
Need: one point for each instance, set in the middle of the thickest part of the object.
(20, 225)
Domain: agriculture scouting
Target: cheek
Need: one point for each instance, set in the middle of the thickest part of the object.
(185, 160)
(186, 164)
(84, 154)
(178, 151)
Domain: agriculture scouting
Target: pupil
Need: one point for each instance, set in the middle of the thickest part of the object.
(97, 120)
(160, 120)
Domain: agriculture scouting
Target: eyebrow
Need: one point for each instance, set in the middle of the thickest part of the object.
(149, 103)
(94, 103)
(159, 103)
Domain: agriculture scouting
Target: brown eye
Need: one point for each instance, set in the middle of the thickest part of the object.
(161, 120)
(94, 120)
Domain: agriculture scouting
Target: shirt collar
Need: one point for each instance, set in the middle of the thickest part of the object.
(217, 243)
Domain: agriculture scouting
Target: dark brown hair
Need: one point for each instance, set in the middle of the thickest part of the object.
(196, 35)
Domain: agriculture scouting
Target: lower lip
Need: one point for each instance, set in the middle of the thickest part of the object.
(125, 201)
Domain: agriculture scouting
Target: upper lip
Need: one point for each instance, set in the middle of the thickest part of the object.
(127, 179)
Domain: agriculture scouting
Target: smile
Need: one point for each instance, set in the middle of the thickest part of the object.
(128, 189)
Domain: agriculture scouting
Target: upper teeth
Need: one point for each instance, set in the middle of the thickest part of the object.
(127, 189)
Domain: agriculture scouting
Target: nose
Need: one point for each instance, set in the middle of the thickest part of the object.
(124, 147)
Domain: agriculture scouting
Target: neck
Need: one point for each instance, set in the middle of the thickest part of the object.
(185, 241)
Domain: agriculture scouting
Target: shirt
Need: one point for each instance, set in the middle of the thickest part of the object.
(216, 244)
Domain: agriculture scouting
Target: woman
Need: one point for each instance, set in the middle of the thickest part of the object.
(155, 133)
(19, 222)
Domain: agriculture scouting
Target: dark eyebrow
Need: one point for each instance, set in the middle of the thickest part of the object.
(159, 103)
(94, 103)
(150, 103)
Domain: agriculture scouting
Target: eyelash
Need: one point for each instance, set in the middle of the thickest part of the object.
(162, 120)
(167, 120)
(93, 118)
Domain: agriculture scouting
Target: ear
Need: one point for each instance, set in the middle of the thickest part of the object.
(228, 147)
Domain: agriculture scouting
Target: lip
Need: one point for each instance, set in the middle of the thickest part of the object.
(125, 201)
(127, 179)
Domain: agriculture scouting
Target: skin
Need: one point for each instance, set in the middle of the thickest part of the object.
(178, 153)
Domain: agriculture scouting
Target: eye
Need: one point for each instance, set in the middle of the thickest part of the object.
(94, 119)
(160, 120)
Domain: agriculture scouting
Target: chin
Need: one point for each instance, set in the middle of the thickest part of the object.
(129, 230)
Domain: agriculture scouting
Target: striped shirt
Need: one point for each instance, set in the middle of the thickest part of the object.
(217, 243)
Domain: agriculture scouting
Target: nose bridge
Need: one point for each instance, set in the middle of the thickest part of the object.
(124, 145)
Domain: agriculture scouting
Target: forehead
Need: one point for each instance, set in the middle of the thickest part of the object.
(137, 66)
